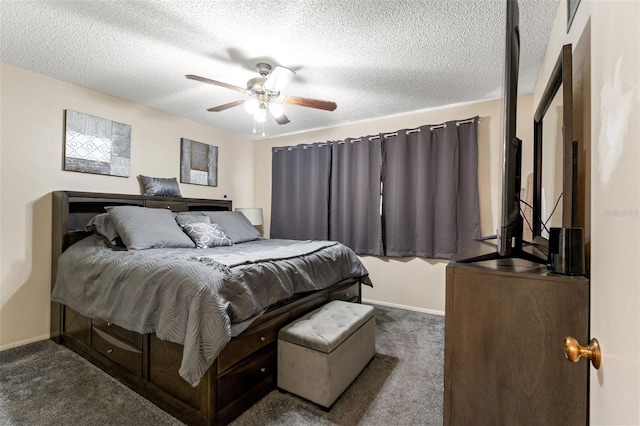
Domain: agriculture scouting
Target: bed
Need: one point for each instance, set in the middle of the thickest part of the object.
(191, 329)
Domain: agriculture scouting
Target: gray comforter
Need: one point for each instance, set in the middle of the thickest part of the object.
(197, 298)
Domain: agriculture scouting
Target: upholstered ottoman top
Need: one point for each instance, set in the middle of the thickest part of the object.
(327, 327)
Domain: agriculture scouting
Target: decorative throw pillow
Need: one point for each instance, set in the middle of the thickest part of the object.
(206, 235)
(103, 225)
(163, 187)
(184, 218)
(145, 228)
(235, 225)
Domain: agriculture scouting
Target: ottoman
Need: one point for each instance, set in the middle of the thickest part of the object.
(321, 353)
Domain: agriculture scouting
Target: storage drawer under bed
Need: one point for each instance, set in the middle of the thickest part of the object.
(241, 379)
(348, 294)
(122, 353)
(135, 339)
(249, 342)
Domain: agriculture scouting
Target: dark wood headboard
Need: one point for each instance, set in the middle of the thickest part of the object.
(73, 210)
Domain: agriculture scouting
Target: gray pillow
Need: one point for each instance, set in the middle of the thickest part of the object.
(103, 225)
(145, 228)
(206, 235)
(235, 225)
(163, 187)
(183, 219)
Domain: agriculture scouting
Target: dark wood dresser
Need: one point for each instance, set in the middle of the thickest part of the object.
(505, 325)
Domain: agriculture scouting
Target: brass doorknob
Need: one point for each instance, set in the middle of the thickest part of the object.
(573, 351)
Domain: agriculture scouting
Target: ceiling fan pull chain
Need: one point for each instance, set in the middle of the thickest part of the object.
(263, 133)
(254, 125)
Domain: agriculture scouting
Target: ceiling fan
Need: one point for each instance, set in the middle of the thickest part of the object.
(264, 93)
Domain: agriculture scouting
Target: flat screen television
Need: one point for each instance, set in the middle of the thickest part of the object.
(509, 232)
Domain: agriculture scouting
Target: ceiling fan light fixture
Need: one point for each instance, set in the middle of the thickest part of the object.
(260, 115)
(278, 78)
(251, 106)
(276, 109)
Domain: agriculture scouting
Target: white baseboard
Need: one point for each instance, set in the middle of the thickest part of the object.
(24, 342)
(408, 308)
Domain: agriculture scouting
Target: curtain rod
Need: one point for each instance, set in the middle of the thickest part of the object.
(416, 130)
(432, 128)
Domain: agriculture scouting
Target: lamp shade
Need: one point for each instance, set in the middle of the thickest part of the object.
(253, 214)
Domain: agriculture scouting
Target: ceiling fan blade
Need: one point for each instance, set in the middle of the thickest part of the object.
(278, 78)
(310, 103)
(280, 119)
(225, 106)
(217, 83)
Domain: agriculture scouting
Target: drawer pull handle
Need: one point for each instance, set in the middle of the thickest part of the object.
(109, 351)
(262, 370)
(347, 294)
(108, 324)
(262, 338)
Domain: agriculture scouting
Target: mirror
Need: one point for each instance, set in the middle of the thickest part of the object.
(552, 167)
(554, 179)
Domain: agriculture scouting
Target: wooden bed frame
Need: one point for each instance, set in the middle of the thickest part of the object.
(243, 373)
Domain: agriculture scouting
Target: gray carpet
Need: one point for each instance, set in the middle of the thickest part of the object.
(44, 383)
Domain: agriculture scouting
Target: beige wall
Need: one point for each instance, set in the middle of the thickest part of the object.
(415, 283)
(558, 38)
(31, 157)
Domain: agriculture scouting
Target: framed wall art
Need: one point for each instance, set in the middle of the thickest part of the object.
(198, 163)
(96, 145)
(572, 8)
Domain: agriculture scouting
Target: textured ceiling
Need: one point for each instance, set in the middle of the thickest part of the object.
(373, 58)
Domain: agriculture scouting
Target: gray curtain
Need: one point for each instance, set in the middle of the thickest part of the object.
(300, 192)
(429, 183)
(354, 214)
(468, 194)
(430, 190)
